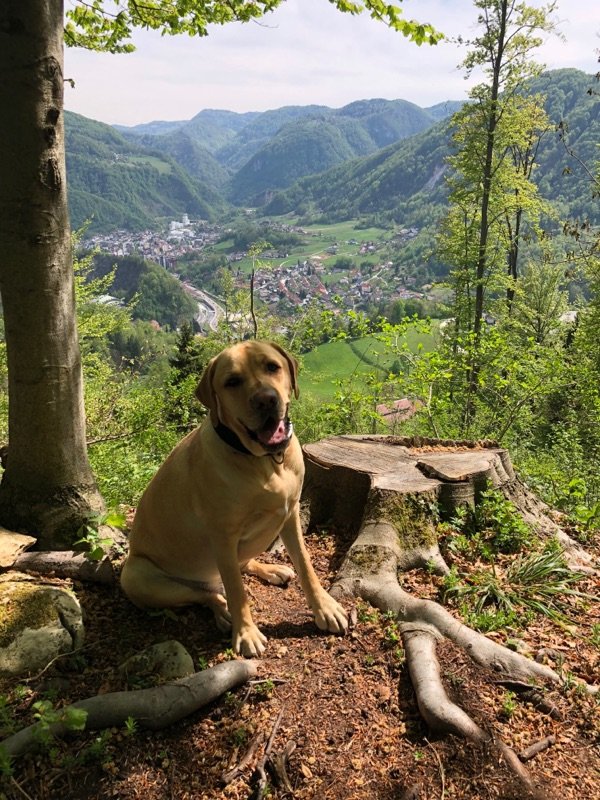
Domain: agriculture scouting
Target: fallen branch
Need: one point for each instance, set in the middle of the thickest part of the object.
(534, 696)
(441, 768)
(278, 763)
(232, 774)
(538, 747)
(67, 564)
(261, 766)
(152, 709)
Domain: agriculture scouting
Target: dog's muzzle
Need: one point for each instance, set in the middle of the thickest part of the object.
(274, 434)
(274, 430)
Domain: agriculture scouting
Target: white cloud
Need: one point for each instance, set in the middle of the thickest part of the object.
(305, 52)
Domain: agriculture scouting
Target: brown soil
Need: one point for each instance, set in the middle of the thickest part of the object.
(346, 704)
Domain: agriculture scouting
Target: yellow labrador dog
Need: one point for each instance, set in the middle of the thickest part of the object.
(222, 497)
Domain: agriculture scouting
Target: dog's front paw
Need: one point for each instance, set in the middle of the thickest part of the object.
(249, 642)
(279, 574)
(276, 574)
(329, 615)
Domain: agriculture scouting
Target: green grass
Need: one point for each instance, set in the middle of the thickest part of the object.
(151, 161)
(355, 358)
(339, 234)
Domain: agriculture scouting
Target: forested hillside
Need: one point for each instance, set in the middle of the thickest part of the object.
(150, 291)
(270, 150)
(370, 158)
(189, 152)
(404, 180)
(117, 183)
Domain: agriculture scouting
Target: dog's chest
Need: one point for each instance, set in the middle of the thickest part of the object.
(264, 512)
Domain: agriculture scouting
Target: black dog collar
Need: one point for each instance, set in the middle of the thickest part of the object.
(231, 438)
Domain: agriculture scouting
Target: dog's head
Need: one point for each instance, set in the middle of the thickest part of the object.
(248, 388)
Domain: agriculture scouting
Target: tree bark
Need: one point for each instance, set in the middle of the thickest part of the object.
(48, 488)
(67, 564)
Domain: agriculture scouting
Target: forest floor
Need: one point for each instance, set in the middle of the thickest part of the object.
(346, 703)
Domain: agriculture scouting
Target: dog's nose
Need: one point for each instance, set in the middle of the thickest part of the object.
(265, 400)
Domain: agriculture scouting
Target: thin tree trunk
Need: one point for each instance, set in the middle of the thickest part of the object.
(482, 260)
(513, 261)
(48, 487)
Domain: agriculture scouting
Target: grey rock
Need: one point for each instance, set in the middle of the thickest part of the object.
(38, 622)
(165, 661)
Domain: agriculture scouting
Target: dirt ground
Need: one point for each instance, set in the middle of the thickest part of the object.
(344, 707)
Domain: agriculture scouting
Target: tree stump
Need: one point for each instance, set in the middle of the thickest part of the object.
(390, 491)
(352, 479)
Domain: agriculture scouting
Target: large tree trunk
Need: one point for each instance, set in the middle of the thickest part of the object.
(48, 488)
(390, 490)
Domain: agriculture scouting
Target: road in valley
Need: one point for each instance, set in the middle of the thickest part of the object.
(209, 311)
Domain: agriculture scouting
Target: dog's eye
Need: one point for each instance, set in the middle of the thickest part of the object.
(233, 381)
(272, 366)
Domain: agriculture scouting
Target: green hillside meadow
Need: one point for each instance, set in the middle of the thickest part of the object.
(320, 238)
(322, 368)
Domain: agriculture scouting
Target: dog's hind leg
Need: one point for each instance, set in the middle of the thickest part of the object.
(277, 574)
(147, 586)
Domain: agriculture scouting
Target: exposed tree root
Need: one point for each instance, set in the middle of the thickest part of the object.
(66, 564)
(153, 709)
(370, 571)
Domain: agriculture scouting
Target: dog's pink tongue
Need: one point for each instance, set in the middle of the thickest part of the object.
(272, 435)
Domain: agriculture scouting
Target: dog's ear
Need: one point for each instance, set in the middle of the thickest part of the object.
(205, 392)
(292, 366)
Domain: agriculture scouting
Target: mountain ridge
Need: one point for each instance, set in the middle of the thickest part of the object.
(331, 164)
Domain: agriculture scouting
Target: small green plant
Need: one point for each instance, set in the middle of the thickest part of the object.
(391, 635)
(532, 584)
(131, 726)
(6, 768)
(94, 545)
(366, 613)
(569, 681)
(264, 689)
(46, 715)
(21, 692)
(6, 717)
(97, 750)
(595, 635)
(430, 566)
(398, 653)
(493, 526)
(577, 501)
(231, 702)
(493, 619)
(510, 533)
(451, 585)
(509, 705)
(239, 736)
(202, 663)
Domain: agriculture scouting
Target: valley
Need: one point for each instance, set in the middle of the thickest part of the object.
(353, 230)
(339, 266)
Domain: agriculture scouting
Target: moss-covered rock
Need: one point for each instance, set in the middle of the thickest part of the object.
(38, 621)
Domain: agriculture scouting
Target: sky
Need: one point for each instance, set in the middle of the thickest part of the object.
(303, 53)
